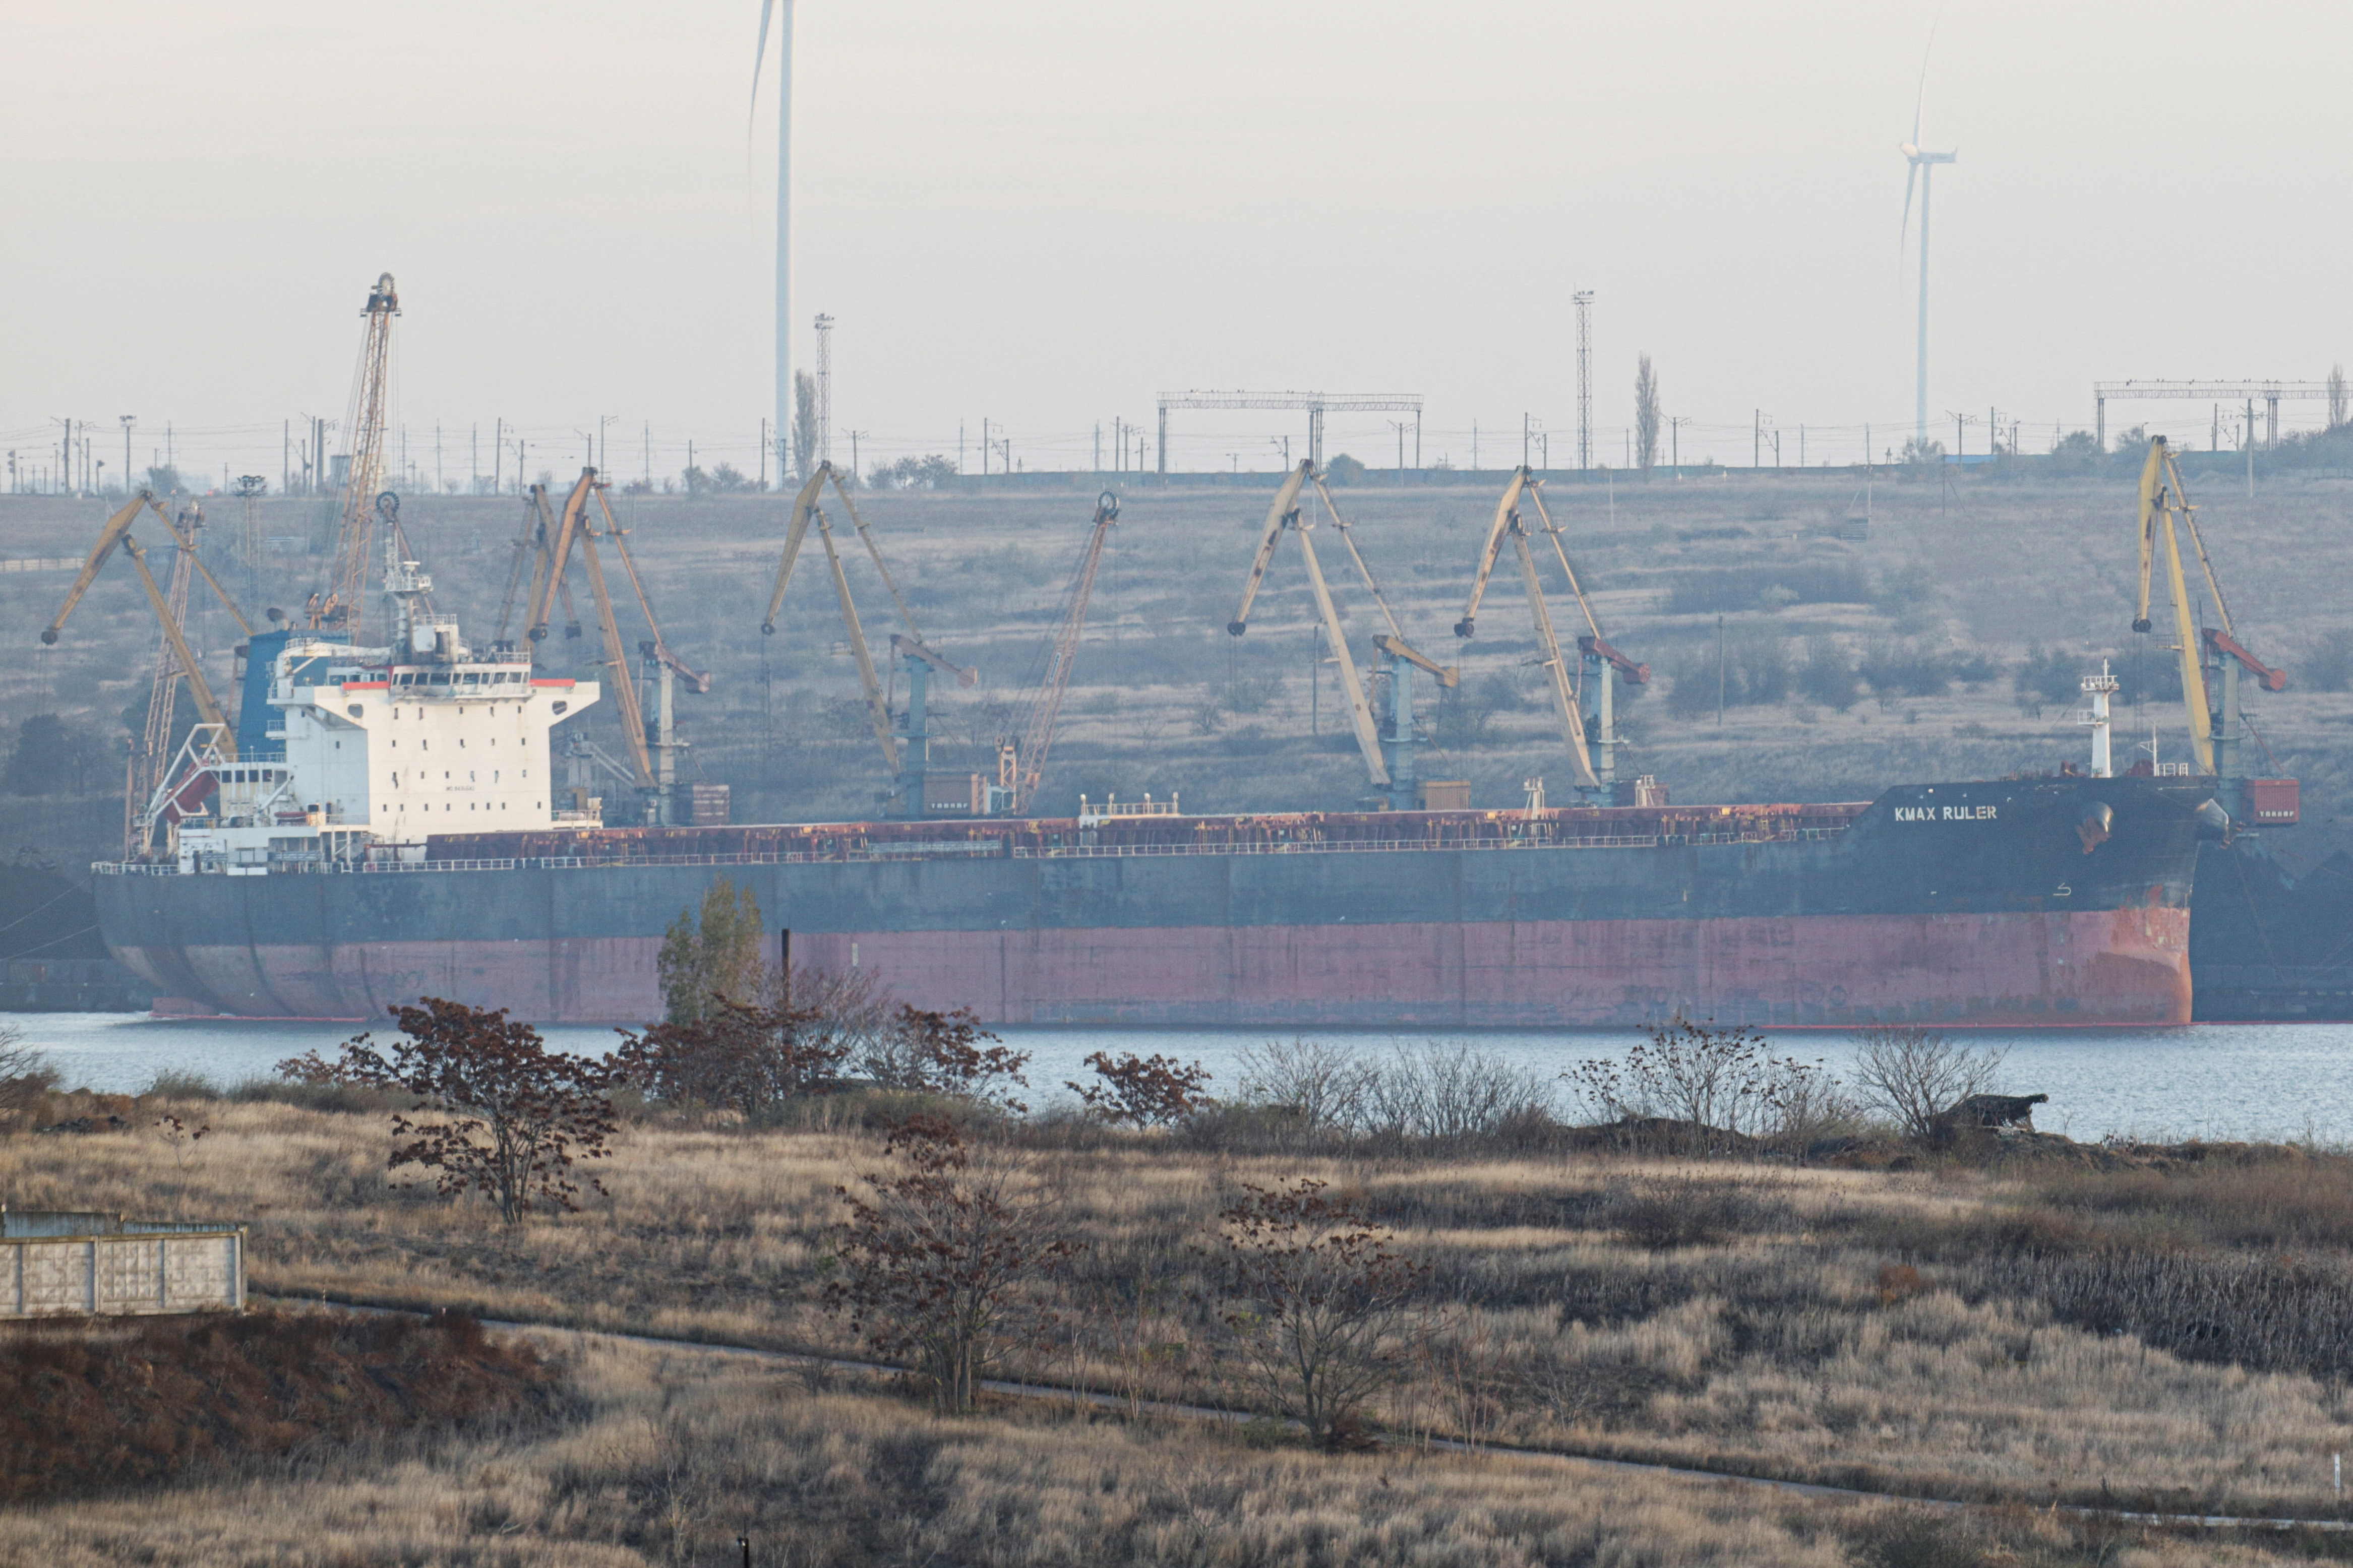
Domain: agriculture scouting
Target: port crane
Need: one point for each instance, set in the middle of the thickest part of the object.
(340, 607)
(2214, 718)
(1387, 748)
(214, 736)
(550, 541)
(918, 658)
(1021, 763)
(1608, 664)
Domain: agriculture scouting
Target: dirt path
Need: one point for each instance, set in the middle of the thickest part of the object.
(1100, 1400)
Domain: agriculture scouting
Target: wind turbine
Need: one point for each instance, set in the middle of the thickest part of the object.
(1922, 168)
(785, 217)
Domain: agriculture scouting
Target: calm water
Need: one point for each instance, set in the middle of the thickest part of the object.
(2215, 1080)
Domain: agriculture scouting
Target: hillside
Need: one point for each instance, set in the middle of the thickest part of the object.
(1941, 609)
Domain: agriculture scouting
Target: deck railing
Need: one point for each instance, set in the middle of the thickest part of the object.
(991, 848)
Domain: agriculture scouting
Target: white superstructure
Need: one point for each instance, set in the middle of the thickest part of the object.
(367, 750)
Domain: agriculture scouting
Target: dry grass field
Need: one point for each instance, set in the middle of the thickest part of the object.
(2161, 1329)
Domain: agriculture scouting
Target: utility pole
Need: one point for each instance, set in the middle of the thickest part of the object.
(824, 387)
(131, 419)
(605, 420)
(854, 435)
(498, 452)
(1584, 298)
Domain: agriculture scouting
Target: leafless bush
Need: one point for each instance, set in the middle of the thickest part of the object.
(1704, 1084)
(847, 1011)
(1912, 1074)
(1439, 1091)
(938, 1259)
(1324, 1085)
(27, 1077)
(1318, 1304)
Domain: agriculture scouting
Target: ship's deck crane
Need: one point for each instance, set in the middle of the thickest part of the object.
(341, 606)
(917, 656)
(1389, 750)
(1607, 662)
(1021, 761)
(2165, 514)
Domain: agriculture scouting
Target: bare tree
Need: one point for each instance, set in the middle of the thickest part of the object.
(1439, 1091)
(1646, 416)
(512, 1116)
(804, 424)
(2340, 407)
(1319, 1305)
(938, 1259)
(25, 1076)
(1706, 1082)
(1912, 1074)
(1323, 1084)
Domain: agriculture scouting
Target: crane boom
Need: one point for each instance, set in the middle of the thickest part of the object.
(804, 505)
(342, 607)
(624, 683)
(1397, 647)
(207, 704)
(698, 680)
(1045, 713)
(559, 550)
(2160, 496)
(1282, 512)
(1348, 538)
(877, 709)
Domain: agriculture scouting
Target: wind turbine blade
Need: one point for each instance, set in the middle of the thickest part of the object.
(767, 8)
(1921, 97)
(1911, 177)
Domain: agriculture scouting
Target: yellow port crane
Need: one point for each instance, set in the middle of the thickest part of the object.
(214, 737)
(1387, 751)
(340, 606)
(920, 658)
(2215, 721)
(1608, 665)
(550, 540)
(1021, 763)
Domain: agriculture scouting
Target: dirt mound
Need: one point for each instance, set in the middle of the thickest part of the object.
(86, 1408)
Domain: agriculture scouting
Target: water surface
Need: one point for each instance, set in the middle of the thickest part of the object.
(2212, 1080)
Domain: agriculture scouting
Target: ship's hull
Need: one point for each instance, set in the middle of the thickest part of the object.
(2269, 943)
(1954, 904)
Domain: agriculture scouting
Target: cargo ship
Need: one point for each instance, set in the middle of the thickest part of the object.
(382, 823)
(393, 827)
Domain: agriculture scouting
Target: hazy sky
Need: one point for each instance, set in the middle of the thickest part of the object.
(1042, 212)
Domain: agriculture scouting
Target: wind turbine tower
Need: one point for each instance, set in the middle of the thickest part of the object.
(1922, 170)
(782, 13)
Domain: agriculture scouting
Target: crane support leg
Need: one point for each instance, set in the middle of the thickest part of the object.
(1359, 713)
(1572, 712)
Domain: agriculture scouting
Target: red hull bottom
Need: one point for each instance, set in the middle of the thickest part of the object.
(2107, 967)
